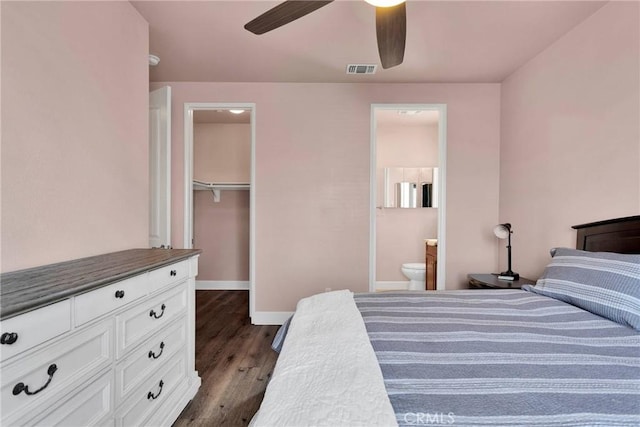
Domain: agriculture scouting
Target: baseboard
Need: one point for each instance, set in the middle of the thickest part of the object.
(392, 286)
(222, 285)
(270, 317)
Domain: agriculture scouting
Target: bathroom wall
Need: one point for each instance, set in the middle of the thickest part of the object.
(222, 154)
(75, 144)
(400, 233)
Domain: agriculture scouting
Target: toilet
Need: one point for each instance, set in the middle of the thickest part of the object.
(416, 273)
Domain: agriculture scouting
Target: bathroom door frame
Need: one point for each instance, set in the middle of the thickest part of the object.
(442, 181)
(189, 108)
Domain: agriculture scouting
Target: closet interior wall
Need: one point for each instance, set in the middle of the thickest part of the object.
(222, 155)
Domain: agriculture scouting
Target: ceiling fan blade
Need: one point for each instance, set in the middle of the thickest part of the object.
(282, 14)
(391, 30)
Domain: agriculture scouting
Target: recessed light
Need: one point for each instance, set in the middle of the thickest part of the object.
(384, 3)
(236, 111)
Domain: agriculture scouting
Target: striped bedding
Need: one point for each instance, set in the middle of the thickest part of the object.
(501, 357)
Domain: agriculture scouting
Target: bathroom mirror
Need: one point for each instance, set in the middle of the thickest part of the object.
(410, 187)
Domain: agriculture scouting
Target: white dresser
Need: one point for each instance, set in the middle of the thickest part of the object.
(114, 346)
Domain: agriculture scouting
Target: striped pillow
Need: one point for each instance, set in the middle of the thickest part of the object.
(604, 283)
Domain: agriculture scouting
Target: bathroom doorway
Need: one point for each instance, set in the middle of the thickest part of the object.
(408, 195)
(219, 164)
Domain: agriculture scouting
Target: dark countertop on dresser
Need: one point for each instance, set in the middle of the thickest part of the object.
(25, 290)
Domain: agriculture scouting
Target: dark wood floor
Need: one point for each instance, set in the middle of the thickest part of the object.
(233, 358)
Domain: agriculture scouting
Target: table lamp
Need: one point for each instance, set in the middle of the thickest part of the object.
(504, 231)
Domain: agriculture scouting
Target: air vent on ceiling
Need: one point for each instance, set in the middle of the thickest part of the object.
(361, 69)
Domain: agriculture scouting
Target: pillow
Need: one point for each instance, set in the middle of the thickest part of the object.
(604, 283)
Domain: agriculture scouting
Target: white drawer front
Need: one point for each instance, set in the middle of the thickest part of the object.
(90, 407)
(141, 321)
(153, 392)
(27, 330)
(53, 372)
(164, 276)
(149, 356)
(100, 301)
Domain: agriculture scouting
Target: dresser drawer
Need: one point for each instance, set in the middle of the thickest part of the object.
(32, 383)
(27, 330)
(164, 276)
(154, 391)
(91, 406)
(149, 356)
(143, 320)
(96, 303)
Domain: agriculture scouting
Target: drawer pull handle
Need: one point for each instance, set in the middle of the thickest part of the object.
(119, 294)
(153, 314)
(173, 273)
(9, 338)
(153, 355)
(20, 387)
(151, 396)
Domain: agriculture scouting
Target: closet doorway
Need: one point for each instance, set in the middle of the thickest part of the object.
(219, 214)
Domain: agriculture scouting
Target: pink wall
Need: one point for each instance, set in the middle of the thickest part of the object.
(221, 230)
(570, 150)
(222, 153)
(414, 145)
(312, 179)
(400, 233)
(74, 131)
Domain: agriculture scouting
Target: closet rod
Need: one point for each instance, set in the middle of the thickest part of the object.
(215, 188)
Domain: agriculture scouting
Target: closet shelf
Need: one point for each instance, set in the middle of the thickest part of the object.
(200, 185)
(216, 187)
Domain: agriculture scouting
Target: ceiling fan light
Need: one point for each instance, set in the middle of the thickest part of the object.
(384, 3)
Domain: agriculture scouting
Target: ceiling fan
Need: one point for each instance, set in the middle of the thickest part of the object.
(391, 24)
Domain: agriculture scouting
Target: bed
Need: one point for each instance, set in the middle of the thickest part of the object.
(563, 352)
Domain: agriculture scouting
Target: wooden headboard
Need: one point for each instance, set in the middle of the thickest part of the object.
(621, 235)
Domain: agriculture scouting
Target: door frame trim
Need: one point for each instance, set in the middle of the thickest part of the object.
(189, 108)
(442, 180)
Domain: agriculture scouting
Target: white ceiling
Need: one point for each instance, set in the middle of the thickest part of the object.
(447, 41)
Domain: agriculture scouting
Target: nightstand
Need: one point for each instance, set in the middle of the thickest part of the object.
(490, 281)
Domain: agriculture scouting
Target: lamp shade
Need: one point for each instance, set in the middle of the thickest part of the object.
(502, 230)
